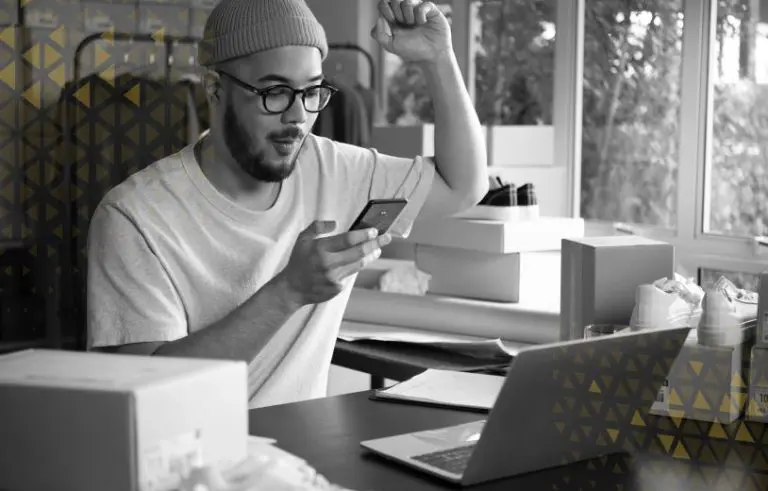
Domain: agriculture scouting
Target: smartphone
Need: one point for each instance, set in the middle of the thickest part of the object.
(379, 214)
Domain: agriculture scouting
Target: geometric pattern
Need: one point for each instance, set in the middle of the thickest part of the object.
(9, 12)
(614, 412)
(594, 405)
(63, 144)
(169, 20)
(706, 383)
(32, 190)
(116, 123)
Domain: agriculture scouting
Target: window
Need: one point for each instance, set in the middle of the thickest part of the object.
(688, 163)
(736, 199)
(658, 110)
(631, 111)
(406, 98)
(513, 50)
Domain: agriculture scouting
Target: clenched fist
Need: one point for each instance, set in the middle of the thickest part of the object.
(318, 265)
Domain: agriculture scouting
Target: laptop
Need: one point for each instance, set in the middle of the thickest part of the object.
(560, 403)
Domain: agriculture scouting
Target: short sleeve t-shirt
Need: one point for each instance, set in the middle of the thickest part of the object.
(169, 255)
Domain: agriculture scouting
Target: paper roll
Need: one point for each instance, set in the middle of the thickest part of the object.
(453, 315)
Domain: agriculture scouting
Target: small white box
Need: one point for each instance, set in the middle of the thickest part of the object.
(705, 383)
(761, 337)
(76, 421)
(757, 407)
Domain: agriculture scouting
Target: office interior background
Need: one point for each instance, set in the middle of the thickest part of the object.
(642, 117)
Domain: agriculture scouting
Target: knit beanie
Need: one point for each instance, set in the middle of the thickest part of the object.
(237, 28)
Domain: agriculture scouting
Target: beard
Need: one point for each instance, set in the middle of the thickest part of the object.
(253, 160)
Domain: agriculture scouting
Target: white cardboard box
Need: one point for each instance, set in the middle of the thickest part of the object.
(480, 259)
(600, 275)
(470, 274)
(94, 421)
(706, 383)
(761, 339)
(497, 237)
(757, 407)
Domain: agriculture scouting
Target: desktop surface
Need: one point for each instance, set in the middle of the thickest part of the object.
(673, 453)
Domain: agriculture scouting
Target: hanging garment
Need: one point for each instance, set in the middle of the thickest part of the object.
(369, 102)
(345, 119)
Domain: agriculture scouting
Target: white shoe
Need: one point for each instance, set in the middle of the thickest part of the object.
(727, 313)
(666, 303)
(744, 301)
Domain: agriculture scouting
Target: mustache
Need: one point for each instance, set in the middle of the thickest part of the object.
(292, 132)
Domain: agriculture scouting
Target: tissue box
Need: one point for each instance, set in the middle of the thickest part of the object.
(600, 276)
(757, 407)
(75, 421)
(705, 383)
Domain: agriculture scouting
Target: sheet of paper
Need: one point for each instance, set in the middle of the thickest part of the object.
(471, 345)
(448, 387)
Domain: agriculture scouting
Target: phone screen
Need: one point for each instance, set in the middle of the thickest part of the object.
(379, 214)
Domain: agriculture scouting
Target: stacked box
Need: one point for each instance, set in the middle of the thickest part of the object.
(761, 339)
(480, 259)
(757, 406)
(706, 383)
(600, 275)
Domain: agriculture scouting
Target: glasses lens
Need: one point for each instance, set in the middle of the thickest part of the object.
(316, 98)
(278, 99)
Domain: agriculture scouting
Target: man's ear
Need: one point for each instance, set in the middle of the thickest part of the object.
(212, 84)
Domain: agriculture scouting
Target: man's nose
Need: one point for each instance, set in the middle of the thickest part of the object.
(296, 113)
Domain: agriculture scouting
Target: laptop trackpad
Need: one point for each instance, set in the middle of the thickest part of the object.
(451, 436)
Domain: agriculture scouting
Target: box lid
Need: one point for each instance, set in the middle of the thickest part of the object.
(495, 236)
(617, 241)
(96, 371)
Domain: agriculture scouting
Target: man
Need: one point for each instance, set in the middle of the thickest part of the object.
(238, 247)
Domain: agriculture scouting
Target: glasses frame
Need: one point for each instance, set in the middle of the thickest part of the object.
(263, 93)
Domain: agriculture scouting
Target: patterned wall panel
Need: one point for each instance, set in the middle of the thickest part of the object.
(162, 19)
(123, 114)
(65, 142)
(12, 224)
(34, 197)
(9, 12)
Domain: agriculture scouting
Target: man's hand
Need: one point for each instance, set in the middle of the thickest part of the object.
(318, 265)
(412, 29)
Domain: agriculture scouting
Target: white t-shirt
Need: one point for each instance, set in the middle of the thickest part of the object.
(168, 255)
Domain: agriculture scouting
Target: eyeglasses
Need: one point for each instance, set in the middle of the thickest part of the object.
(277, 99)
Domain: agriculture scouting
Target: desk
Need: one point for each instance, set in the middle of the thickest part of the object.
(400, 361)
(326, 432)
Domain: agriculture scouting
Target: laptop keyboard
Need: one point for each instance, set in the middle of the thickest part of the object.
(453, 460)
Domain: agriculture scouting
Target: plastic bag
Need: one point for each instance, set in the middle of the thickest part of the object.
(267, 467)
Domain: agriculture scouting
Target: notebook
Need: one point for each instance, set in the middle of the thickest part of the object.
(447, 388)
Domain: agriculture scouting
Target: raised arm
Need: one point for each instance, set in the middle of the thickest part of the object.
(418, 32)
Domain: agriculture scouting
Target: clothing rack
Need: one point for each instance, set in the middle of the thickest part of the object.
(366, 54)
(168, 41)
